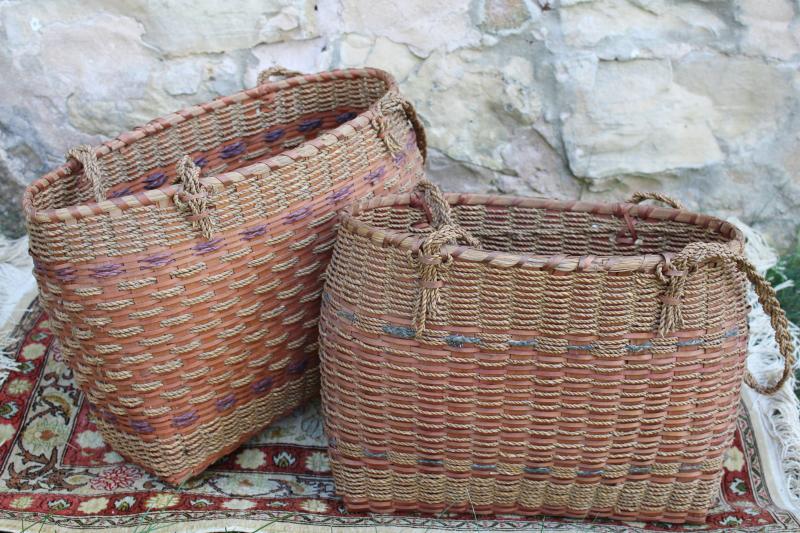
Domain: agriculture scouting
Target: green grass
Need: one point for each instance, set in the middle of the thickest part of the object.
(788, 269)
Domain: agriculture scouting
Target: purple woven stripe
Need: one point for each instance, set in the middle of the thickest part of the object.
(207, 247)
(157, 260)
(186, 419)
(274, 135)
(140, 426)
(262, 385)
(341, 194)
(201, 161)
(252, 233)
(309, 125)
(399, 158)
(107, 271)
(298, 367)
(155, 181)
(375, 175)
(226, 402)
(232, 150)
(123, 192)
(65, 273)
(344, 117)
(108, 416)
(294, 216)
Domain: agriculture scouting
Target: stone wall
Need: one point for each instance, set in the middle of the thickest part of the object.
(570, 98)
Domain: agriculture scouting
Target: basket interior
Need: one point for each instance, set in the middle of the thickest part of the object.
(552, 231)
(225, 139)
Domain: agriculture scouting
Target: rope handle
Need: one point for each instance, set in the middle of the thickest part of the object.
(87, 157)
(697, 254)
(194, 197)
(627, 234)
(431, 199)
(639, 197)
(394, 101)
(275, 72)
(430, 263)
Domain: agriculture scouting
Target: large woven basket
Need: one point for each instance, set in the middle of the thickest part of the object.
(586, 359)
(185, 290)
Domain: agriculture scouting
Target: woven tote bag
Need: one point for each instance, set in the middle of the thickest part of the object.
(181, 263)
(493, 354)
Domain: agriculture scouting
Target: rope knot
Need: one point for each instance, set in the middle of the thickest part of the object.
(194, 197)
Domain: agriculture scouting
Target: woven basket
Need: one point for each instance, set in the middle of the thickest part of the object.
(585, 360)
(186, 301)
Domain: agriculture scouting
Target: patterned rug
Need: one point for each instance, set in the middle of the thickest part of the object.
(57, 474)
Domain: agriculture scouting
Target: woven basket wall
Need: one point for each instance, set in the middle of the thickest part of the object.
(185, 291)
(586, 360)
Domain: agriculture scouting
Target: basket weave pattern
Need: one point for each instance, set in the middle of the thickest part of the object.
(185, 292)
(530, 376)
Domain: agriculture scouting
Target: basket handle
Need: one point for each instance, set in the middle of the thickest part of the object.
(627, 233)
(393, 101)
(87, 157)
(639, 197)
(697, 254)
(274, 72)
(430, 263)
(194, 197)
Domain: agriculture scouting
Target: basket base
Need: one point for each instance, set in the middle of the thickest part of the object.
(357, 505)
(177, 459)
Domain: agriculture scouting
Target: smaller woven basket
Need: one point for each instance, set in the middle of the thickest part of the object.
(494, 354)
(181, 264)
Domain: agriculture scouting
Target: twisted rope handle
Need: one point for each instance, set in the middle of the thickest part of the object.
(639, 197)
(627, 233)
(86, 156)
(194, 196)
(697, 254)
(394, 101)
(276, 71)
(430, 263)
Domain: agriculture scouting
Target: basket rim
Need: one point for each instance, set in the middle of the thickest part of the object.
(411, 242)
(150, 197)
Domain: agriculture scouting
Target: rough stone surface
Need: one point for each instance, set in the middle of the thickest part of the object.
(587, 99)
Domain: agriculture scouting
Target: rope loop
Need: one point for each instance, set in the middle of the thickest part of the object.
(275, 72)
(87, 157)
(688, 261)
(393, 102)
(639, 197)
(194, 198)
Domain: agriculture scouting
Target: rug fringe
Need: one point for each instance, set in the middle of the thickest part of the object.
(779, 413)
(17, 290)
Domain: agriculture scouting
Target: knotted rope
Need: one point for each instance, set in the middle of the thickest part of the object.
(695, 255)
(85, 155)
(432, 265)
(194, 196)
(393, 102)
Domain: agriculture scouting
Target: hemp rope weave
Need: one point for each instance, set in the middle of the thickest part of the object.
(695, 255)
